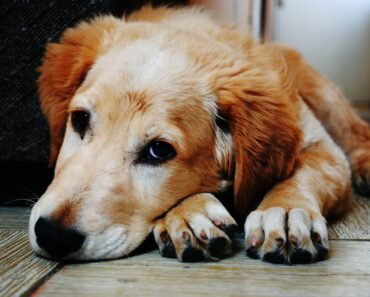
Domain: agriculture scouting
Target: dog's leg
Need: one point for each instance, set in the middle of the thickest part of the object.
(197, 229)
(338, 117)
(289, 225)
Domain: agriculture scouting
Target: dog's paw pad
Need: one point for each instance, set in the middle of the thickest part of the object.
(322, 252)
(230, 230)
(300, 256)
(252, 252)
(192, 254)
(274, 257)
(168, 250)
(219, 247)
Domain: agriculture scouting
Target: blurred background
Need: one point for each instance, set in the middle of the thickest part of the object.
(333, 36)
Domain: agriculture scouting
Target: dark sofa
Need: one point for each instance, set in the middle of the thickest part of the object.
(25, 28)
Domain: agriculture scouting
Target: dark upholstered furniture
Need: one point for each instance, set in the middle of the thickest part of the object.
(25, 28)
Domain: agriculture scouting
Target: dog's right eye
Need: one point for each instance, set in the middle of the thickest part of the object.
(80, 121)
(156, 153)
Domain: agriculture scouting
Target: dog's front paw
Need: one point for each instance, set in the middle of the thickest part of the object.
(360, 163)
(198, 229)
(277, 236)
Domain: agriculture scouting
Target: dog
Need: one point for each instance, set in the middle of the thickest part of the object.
(154, 114)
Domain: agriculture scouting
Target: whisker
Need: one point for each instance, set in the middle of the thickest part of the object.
(31, 202)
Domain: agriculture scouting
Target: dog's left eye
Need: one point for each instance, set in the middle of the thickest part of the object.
(157, 152)
(80, 121)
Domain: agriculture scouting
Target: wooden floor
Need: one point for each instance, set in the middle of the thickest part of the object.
(346, 273)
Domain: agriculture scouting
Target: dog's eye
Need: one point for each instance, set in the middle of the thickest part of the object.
(157, 152)
(80, 121)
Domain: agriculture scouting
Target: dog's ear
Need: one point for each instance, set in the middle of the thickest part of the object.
(63, 70)
(261, 108)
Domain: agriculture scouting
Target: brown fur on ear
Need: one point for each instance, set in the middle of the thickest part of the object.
(63, 70)
(261, 106)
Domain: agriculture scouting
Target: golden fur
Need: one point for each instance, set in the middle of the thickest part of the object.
(171, 74)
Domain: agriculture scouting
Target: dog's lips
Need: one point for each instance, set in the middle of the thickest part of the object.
(111, 243)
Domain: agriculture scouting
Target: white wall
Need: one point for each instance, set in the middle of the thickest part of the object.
(229, 11)
(334, 36)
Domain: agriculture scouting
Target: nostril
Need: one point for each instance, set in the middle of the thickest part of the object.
(57, 240)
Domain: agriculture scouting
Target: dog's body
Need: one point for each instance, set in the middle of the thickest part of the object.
(157, 111)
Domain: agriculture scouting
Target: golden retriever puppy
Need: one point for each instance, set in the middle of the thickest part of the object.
(154, 114)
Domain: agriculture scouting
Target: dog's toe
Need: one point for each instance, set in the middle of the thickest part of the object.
(320, 238)
(308, 237)
(168, 250)
(322, 252)
(165, 244)
(252, 252)
(265, 235)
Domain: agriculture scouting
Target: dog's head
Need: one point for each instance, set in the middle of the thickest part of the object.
(142, 116)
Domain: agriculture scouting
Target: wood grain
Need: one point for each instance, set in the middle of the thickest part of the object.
(346, 273)
(355, 224)
(20, 270)
(14, 218)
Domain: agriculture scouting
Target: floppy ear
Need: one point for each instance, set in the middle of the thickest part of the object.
(261, 107)
(63, 70)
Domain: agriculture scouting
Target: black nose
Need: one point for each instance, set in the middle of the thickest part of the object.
(57, 240)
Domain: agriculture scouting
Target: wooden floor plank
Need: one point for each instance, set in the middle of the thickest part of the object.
(354, 224)
(20, 270)
(14, 218)
(346, 273)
